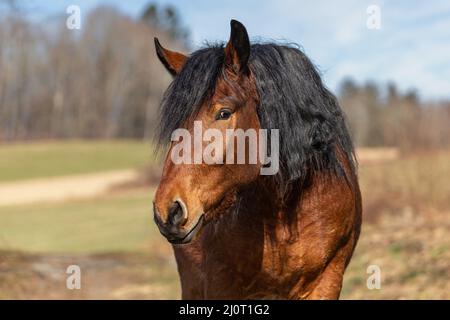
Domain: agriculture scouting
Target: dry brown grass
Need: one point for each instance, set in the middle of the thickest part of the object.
(406, 228)
(413, 182)
(132, 275)
(413, 252)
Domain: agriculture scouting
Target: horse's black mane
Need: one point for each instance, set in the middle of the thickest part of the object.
(292, 99)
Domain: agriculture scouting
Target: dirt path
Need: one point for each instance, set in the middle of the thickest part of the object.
(91, 185)
(367, 155)
(62, 188)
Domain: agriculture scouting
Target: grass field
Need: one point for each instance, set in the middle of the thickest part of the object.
(113, 239)
(50, 159)
(406, 232)
(415, 181)
(413, 253)
(113, 223)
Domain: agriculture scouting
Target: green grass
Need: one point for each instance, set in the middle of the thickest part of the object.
(113, 223)
(50, 159)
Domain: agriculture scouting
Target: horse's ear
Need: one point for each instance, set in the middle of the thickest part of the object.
(173, 61)
(237, 50)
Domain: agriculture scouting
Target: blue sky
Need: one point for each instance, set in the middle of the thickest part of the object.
(412, 48)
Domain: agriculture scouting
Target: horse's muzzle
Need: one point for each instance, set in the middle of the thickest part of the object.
(174, 228)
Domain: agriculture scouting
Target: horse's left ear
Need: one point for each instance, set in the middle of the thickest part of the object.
(237, 50)
(173, 61)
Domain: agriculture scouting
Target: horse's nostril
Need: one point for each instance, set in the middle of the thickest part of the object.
(176, 214)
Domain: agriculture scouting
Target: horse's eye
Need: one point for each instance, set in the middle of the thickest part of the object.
(223, 114)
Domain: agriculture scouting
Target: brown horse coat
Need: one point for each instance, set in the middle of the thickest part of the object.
(240, 235)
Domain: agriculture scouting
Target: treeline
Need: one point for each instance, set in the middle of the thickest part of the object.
(104, 81)
(382, 116)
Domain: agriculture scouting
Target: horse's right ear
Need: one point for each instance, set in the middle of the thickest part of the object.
(173, 61)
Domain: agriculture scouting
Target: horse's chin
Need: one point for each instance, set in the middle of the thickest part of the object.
(193, 233)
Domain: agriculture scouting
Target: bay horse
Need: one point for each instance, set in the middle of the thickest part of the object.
(237, 234)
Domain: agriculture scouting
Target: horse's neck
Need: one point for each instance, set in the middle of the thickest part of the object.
(267, 198)
(260, 207)
(260, 220)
